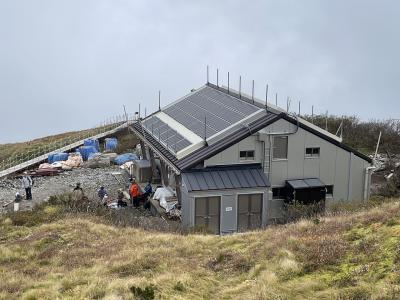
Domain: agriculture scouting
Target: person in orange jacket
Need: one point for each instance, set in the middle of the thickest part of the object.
(134, 192)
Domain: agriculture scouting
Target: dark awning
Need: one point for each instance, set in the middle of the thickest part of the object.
(229, 177)
(307, 183)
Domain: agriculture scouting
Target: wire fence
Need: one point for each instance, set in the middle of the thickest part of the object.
(38, 151)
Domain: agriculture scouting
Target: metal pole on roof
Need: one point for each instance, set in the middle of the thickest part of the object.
(176, 133)
(276, 99)
(312, 114)
(228, 82)
(205, 127)
(217, 79)
(240, 87)
(326, 121)
(266, 99)
(252, 91)
(139, 110)
(159, 100)
(207, 75)
(145, 112)
(299, 108)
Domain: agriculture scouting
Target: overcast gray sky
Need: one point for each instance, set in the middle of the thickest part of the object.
(67, 65)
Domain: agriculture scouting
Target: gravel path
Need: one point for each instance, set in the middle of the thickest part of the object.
(113, 178)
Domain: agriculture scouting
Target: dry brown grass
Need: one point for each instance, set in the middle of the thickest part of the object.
(352, 256)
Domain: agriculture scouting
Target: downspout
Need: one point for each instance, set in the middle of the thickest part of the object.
(367, 181)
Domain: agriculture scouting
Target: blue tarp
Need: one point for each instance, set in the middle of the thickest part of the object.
(123, 158)
(57, 157)
(92, 142)
(86, 151)
(110, 144)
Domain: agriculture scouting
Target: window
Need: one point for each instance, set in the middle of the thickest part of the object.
(278, 193)
(329, 189)
(312, 152)
(246, 155)
(280, 149)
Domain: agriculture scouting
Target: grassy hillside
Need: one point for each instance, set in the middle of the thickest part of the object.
(47, 254)
(13, 150)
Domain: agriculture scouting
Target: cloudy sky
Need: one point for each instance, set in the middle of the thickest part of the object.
(67, 65)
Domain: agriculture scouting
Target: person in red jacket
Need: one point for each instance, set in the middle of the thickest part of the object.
(134, 192)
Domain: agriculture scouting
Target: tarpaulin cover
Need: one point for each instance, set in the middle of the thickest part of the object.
(123, 158)
(57, 157)
(92, 142)
(86, 151)
(110, 144)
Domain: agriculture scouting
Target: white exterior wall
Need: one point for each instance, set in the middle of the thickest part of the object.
(335, 166)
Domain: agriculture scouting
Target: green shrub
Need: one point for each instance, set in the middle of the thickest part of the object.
(147, 293)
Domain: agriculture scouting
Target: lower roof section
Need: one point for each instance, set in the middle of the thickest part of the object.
(307, 183)
(225, 177)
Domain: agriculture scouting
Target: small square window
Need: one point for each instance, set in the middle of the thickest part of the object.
(312, 152)
(246, 155)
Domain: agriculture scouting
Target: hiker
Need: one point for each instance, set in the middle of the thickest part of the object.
(101, 192)
(18, 199)
(120, 199)
(27, 183)
(148, 189)
(134, 192)
(78, 187)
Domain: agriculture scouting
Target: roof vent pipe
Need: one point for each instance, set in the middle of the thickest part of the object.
(228, 83)
(240, 87)
(159, 100)
(276, 99)
(252, 91)
(266, 98)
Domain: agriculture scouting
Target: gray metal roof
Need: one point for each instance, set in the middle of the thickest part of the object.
(230, 177)
(211, 107)
(165, 134)
(305, 183)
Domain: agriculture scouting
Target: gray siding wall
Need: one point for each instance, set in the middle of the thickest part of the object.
(228, 219)
(335, 166)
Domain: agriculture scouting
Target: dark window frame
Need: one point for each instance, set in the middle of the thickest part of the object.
(275, 154)
(312, 152)
(247, 154)
(279, 192)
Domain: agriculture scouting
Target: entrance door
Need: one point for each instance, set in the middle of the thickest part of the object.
(249, 211)
(207, 213)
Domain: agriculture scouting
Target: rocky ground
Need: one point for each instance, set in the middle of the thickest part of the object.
(113, 178)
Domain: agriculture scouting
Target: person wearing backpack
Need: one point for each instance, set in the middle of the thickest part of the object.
(134, 192)
(27, 183)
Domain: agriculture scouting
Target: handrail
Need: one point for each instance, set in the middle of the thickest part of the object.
(52, 147)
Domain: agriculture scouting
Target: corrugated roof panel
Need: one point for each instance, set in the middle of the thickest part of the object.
(297, 184)
(241, 175)
(314, 182)
(233, 178)
(210, 181)
(193, 182)
(225, 178)
(255, 174)
(218, 180)
(202, 182)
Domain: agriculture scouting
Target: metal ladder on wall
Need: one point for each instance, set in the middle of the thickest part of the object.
(267, 159)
